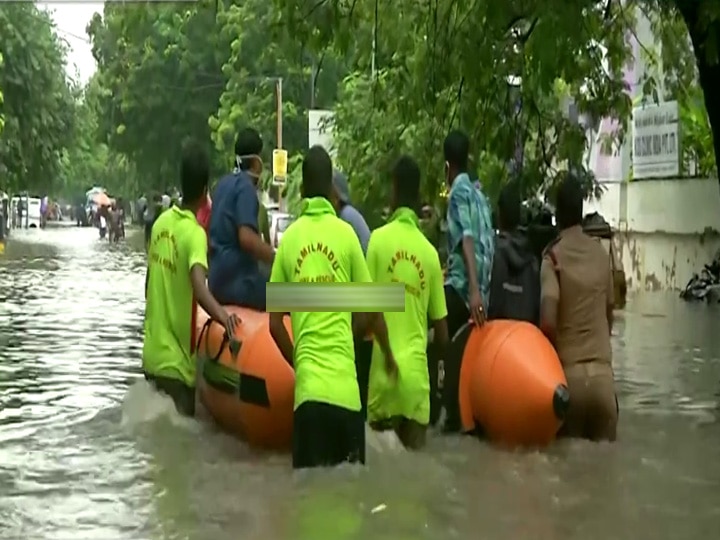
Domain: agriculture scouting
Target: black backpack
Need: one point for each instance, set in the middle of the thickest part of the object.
(514, 289)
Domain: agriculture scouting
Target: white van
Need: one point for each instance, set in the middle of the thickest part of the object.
(31, 217)
(34, 217)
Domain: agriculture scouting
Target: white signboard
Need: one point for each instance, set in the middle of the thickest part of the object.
(656, 141)
(318, 133)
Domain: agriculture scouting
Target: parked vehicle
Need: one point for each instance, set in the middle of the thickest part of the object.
(279, 222)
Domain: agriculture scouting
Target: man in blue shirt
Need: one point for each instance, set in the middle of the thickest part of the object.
(471, 239)
(346, 211)
(236, 246)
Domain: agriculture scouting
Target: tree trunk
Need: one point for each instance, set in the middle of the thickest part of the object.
(709, 73)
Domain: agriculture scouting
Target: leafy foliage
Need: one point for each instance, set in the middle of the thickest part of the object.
(2, 116)
(206, 69)
(37, 103)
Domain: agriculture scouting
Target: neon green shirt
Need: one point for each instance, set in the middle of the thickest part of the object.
(177, 243)
(316, 245)
(400, 252)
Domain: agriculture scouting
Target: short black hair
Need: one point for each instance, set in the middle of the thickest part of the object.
(569, 203)
(317, 173)
(509, 205)
(406, 180)
(194, 171)
(457, 150)
(248, 143)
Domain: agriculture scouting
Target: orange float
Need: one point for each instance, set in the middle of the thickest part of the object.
(246, 385)
(512, 384)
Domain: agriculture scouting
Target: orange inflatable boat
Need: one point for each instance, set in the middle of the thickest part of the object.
(245, 384)
(512, 385)
(510, 382)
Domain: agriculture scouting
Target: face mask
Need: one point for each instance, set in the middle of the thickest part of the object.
(239, 160)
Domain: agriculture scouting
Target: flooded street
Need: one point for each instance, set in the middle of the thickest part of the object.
(87, 451)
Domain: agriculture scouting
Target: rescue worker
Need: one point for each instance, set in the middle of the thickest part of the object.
(576, 315)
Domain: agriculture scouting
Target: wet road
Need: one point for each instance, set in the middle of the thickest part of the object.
(87, 451)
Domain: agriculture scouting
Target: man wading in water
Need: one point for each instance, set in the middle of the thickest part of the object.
(576, 315)
(328, 424)
(471, 244)
(400, 252)
(177, 266)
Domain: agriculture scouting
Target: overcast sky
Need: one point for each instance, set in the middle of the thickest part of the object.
(71, 19)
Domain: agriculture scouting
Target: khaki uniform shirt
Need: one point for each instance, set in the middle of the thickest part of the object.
(582, 284)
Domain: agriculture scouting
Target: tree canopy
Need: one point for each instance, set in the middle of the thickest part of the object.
(37, 106)
(398, 77)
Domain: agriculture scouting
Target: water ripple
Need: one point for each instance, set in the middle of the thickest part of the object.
(87, 450)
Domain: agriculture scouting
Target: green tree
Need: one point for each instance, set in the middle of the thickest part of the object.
(680, 82)
(158, 67)
(450, 63)
(37, 106)
(702, 19)
(204, 69)
(2, 116)
(88, 161)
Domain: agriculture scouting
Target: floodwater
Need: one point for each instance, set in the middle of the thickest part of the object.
(87, 451)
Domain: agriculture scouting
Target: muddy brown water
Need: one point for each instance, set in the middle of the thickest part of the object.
(87, 451)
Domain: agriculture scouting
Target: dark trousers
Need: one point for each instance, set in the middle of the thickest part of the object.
(458, 316)
(183, 396)
(325, 435)
(363, 357)
(458, 313)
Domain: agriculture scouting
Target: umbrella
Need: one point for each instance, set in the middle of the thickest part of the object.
(101, 199)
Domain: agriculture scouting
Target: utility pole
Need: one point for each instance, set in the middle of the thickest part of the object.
(278, 92)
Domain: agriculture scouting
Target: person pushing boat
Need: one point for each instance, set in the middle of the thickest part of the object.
(236, 246)
(577, 301)
(176, 274)
(471, 245)
(400, 252)
(328, 425)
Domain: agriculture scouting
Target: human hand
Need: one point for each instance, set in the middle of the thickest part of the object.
(477, 312)
(391, 367)
(230, 322)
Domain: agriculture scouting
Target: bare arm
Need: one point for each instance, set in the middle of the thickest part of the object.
(380, 331)
(246, 219)
(253, 243)
(277, 326)
(468, 252)
(458, 212)
(198, 279)
(281, 337)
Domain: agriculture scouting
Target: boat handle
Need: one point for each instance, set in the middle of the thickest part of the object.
(224, 343)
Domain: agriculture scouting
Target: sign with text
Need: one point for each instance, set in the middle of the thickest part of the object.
(280, 165)
(656, 141)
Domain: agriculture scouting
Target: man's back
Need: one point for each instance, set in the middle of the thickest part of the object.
(469, 214)
(400, 252)
(233, 271)
(515, 282)
(177, 243)
(582, 271)
(321, 248)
